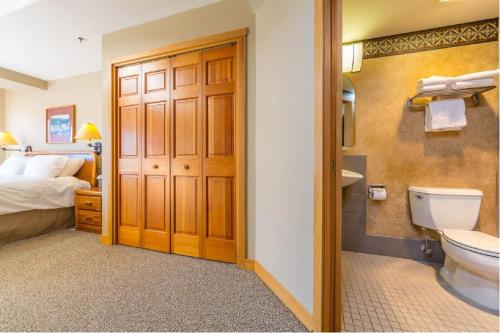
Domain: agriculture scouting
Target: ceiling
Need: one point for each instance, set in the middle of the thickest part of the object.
(10, 6)
(364, 19)
(41, 38)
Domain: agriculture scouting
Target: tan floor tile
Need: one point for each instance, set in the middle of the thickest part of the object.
(391, 294)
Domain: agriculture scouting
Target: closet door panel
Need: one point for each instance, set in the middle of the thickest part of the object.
(156, 209)
(155, 163)
(130, 118)
(156, 194)
(185, 205)
(220, 207)
(186, 188)
(219, 71)
(185, 238)
(129, 132)
(156, 130)
(219, 233)
(220, 126)
(186, 128)
(129, 213)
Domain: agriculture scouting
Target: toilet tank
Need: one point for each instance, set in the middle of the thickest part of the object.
(445, 208)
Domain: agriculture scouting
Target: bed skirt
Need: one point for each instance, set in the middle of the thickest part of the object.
(32, 223)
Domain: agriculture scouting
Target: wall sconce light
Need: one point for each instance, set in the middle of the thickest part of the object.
(7, 139)
(90, 132)
(352, 57)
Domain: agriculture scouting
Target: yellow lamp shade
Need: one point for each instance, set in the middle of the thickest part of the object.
(7, 139)
(88, 131)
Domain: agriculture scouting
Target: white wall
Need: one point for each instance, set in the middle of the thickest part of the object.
(285, 143)
(280, 129)
(25, 109)
(2, 117)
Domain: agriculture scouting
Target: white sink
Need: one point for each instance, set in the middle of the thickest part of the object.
(350, 177)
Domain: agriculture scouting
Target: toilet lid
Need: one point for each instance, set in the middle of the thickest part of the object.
(475, 241)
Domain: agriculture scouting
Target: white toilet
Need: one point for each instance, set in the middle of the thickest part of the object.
(472, 257)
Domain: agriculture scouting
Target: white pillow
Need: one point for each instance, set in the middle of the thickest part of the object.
(14, 165)
(72, 167)
(45, 166)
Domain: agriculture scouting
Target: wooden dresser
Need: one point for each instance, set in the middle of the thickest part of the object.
(88, 210)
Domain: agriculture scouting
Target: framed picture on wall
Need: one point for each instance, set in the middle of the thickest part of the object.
(60, 124)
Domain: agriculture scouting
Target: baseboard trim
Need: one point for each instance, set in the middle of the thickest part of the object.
(250, 265)
(284, 295)
(407, 248)
(105, 240)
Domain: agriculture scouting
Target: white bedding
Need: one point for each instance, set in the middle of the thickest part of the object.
(20, 193)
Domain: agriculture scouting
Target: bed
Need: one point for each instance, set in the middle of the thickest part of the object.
(31, 207)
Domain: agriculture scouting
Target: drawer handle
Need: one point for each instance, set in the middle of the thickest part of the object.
(88, 203)
(88, 219)
(155, 166)
(186, 167)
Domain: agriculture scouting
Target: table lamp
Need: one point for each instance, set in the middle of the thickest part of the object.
(90, 132)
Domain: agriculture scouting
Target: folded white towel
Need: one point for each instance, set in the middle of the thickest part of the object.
(478, 75)
(433, 80)
(445, 115)
(434, 87)
(440, 125)
(474, 83)
(449, 81)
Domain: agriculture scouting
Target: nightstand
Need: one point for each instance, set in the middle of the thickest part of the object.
(88, 213)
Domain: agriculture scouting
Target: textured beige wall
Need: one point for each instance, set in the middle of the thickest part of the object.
(399, 152)
(25, 109)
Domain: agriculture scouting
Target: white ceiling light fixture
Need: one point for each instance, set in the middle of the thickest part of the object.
(10, 6)
(352, 57)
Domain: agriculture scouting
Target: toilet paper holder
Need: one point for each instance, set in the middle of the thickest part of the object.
(375, 187)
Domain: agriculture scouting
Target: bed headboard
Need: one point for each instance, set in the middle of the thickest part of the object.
(89, 168)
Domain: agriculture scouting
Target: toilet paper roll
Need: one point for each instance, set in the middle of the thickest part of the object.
(378, 194)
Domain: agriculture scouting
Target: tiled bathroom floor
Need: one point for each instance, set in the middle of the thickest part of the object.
(391, 294)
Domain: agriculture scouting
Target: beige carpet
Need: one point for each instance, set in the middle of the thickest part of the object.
(66, 281)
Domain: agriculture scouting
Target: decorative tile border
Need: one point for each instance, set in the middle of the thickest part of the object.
(433, 39)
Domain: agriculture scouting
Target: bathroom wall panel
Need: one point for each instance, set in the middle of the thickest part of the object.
(391, 246)
(353, 203)
(354, 222)
(400, 154)
(356, 163)
(354, 197)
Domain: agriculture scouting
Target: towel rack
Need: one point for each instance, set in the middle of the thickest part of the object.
(449, 93)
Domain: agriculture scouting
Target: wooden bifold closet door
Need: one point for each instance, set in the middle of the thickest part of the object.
(176, 163)
(186, 187)
(219, 163)
(144, 155)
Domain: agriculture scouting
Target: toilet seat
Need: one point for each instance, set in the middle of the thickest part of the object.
(474, 241)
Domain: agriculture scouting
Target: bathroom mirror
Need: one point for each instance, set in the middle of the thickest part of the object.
(348, 113)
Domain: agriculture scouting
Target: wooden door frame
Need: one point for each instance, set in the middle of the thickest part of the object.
(327, 166)
(238, 37)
